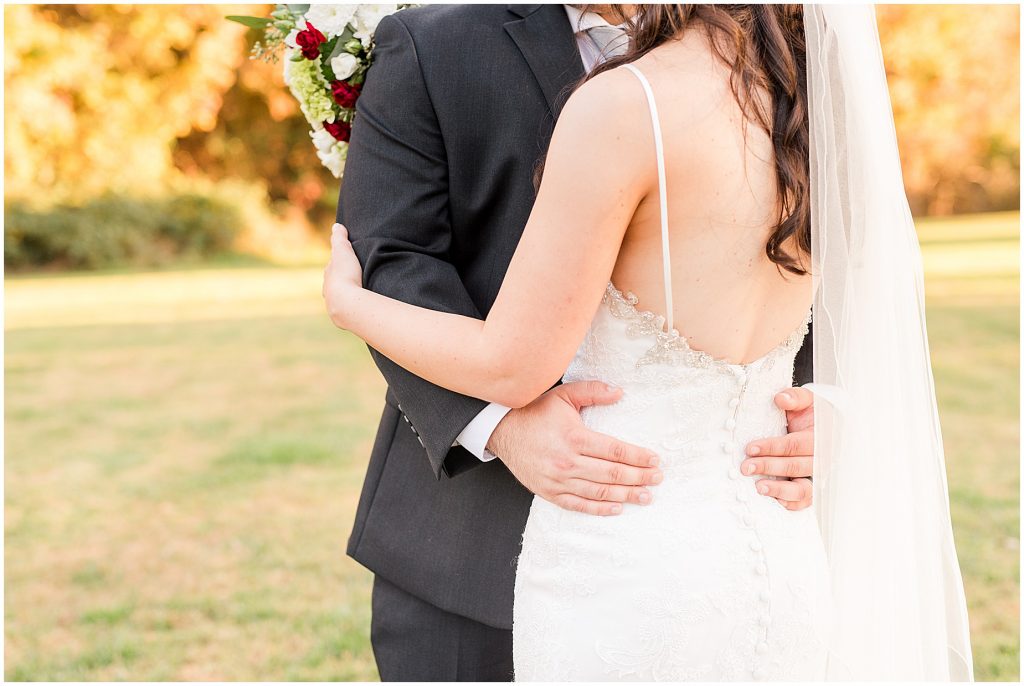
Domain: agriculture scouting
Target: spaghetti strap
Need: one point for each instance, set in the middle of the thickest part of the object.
(662, 195)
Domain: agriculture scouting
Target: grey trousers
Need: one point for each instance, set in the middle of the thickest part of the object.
(416, 641)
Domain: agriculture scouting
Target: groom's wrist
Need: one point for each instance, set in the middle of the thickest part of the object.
(476, 436)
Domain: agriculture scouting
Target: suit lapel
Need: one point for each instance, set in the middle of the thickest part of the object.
(545, 38)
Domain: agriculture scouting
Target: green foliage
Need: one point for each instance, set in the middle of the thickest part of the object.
(115, 230)
(251, 22)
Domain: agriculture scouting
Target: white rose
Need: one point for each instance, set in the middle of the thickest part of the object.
(289, 40)
(323, 140)
(334, 159)
(368, 16)
(344, 65)
(366, 19)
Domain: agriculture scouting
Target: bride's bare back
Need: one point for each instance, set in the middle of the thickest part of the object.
(730, 300)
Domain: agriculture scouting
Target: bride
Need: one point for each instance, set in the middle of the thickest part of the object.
(701, 192)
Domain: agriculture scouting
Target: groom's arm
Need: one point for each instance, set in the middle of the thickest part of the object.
(394, 202)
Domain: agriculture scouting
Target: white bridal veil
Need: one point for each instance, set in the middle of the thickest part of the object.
(880, 480)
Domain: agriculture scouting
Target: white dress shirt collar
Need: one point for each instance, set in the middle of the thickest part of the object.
(581, 20)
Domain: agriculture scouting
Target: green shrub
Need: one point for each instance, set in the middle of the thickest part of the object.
(116, 231)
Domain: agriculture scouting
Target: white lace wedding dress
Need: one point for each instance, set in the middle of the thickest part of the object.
(712, 581)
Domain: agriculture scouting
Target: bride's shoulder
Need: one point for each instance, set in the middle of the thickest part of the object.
(612, 99)
(605, 123)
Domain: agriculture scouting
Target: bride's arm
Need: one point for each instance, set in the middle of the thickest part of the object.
(598, 169)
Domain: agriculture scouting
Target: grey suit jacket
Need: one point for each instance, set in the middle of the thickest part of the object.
(456, 111)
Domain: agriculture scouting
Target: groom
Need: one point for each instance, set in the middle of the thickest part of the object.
(456, 111)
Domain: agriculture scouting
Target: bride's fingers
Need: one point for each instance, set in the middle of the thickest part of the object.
(790, 467)
(638, 495)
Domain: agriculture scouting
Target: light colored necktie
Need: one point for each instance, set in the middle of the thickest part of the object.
(610, 41)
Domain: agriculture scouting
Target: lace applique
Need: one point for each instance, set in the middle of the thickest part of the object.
(672, 348)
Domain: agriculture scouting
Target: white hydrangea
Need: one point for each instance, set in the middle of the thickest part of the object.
(366, 19)
(331, 19)
(310, 88)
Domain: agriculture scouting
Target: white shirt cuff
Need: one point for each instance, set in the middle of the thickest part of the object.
(476, 434)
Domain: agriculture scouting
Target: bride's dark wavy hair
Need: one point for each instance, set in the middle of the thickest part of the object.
(765, 49)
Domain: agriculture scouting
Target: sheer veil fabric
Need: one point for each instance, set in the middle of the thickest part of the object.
(880, 483)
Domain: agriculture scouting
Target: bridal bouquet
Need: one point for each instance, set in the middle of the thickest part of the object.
(327, 49)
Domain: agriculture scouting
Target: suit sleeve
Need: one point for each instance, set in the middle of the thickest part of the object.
(803, 367)
(394, 203)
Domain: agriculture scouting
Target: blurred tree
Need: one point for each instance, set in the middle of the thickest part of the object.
(96, 95)
(954, 77)
(147, 99)
(261, 134)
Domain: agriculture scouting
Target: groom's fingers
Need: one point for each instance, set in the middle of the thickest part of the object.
(604, 471)
(568, 501)
(789, 467)
(794, 399)
(600, 445)
(637, 495)
(586, 393)
(793, 495)
(790, 445)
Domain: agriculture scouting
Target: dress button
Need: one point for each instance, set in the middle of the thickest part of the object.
(734, 473)
(728, 447)
(734, 403)
(761, 569)
(730, 423)
(741, 496)
(755, 546)
(748, 519)
(765, 596)
(759, 675)
(762, 648)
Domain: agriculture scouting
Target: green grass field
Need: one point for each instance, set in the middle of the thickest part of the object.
(184, 450)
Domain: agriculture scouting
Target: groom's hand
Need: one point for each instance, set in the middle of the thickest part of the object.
(548, 448)
(790, 456)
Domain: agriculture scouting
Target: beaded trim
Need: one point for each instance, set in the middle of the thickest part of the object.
(671, 347)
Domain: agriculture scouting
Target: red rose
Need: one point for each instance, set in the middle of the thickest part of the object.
(345, 94)
(309, 40)
(341, 130)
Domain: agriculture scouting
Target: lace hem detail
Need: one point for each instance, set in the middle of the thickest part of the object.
(672, 348)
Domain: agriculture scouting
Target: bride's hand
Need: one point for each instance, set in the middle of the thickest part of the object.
(342, 276)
